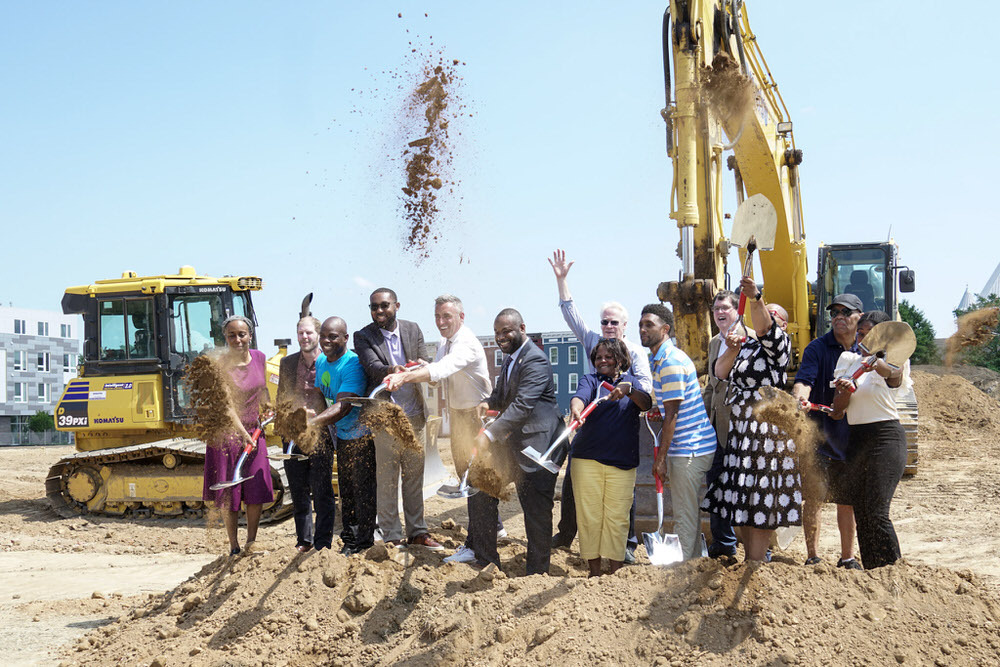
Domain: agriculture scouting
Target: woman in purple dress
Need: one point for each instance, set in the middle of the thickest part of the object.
(247, 369)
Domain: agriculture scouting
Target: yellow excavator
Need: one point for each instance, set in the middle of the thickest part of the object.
(709, 54)
(137, 452)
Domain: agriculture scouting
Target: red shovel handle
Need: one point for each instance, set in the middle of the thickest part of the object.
(659, 482)
(743, 305)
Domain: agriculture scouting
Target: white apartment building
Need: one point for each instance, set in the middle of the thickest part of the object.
(39, 351)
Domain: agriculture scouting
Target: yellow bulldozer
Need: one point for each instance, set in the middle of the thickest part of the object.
(137, 453)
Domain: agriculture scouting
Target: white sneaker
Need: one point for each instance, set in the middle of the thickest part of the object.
(501, 532)
(463, 555)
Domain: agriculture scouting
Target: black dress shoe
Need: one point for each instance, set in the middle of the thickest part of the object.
(561, 541)
(718, 551)
(347, 549)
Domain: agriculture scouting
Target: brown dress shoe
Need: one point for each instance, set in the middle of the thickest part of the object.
(425, 540)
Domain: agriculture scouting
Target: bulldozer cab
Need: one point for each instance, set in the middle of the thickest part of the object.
(146, 327)
(867, 270)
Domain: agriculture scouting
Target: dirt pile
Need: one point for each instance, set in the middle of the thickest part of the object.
(212, 399)
(394, 606)
(984, 379)
(952, 409)
(389, 417)
(974, 329)
(728, 92)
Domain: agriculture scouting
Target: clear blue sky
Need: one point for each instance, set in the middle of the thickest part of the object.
(250, 138)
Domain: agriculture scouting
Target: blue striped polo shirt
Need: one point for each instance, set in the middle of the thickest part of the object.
(675, 379)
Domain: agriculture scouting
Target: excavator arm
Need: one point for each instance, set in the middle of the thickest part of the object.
(721, 97)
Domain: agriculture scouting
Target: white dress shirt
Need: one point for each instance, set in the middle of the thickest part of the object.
(461, 362)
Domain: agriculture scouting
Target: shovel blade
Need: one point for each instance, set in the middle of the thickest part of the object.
(455, 491)
(755, 218)
(785, 535)
(225, 485)
(662, 549)
(287, 457)
(540, 459)
(896, 339)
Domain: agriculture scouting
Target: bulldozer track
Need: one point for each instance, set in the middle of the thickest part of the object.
(187, 450)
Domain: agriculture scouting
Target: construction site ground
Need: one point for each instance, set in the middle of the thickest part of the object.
(157, 591)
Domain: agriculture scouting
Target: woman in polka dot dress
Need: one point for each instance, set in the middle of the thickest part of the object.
(759, 486)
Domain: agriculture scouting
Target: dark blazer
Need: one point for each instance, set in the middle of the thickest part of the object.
(370, 346)
(529, 414)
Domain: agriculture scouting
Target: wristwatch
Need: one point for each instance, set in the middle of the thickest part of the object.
(759, 295)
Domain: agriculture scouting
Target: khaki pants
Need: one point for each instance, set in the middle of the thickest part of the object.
(603, 497)
(393, 462)
(687, 474)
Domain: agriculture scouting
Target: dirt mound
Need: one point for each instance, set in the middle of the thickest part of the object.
(394, 606)
(984, 379)
(952, 409)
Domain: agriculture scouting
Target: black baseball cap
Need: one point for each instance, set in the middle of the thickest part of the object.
(849, 300)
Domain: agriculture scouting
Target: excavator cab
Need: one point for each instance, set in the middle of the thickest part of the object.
(870, 271)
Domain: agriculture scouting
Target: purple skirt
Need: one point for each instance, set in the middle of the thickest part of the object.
(220, 464)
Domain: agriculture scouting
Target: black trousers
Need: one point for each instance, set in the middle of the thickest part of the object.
(567, 513)
(356, 479)
(535, 491)
(878, 458)
(311, 484)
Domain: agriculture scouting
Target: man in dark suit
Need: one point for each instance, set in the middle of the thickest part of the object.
(297, 385)
(529, 417)
(385, 346)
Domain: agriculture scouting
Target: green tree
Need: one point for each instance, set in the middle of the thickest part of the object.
(987, 353)
(926, 352)
(40, 422)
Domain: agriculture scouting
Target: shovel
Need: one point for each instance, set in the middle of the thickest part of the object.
(362, 401)
(238, 478)
(809, 406)
(545, 460)
(463, 490)
(289, 453)
(662, 549)
(754, 227)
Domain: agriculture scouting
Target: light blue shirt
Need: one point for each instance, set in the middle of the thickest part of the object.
(640, 363)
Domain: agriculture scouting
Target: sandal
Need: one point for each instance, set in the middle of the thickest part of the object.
(235, 551)
(849, 564)
(814, 560)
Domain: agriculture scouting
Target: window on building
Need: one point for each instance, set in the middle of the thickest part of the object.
(574, 382)
(43, 328)
(66, 330)
(43, 392)
(497, 358)
(430, 393)
(20, 392)
(20, 327)
(553, 355)
(574, 354)
(555, 381)
(20, 361)
(68, 364)
(43, 361)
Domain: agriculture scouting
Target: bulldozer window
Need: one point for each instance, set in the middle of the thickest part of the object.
(196, 322)
(126, 329)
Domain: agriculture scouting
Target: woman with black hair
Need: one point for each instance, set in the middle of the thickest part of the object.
(606, 454)
(877, 444)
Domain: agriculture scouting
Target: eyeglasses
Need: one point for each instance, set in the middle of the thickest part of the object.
(840, 312)
(385, 305)
(776, 315)
(613, 323)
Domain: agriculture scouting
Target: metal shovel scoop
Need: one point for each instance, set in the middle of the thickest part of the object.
(662, 548)
(754, 227)
(545, 460)
(895, 339)
(289, 453)
(362, 401)
(238, 477)
(463, 490)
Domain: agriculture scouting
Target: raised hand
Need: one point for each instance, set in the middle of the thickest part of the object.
(559, 265)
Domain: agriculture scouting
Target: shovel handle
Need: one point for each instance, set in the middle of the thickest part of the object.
(659, 482)
(807, 405)
(491, 416)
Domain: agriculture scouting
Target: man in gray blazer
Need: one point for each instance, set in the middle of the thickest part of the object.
(529, 417)
(385, 346)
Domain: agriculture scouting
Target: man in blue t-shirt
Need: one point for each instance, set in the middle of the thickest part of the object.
(339, 375)
(813, 383)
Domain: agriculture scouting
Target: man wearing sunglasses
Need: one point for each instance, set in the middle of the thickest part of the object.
(614, 318)
(813, 383)
(385, 346)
